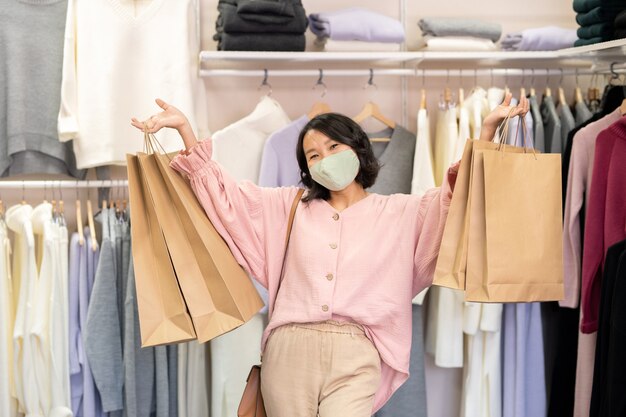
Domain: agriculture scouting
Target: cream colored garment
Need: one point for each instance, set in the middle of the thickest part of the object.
(444, 327)
(482, 379)
(193, 380)
(330, 45)
(327, 369)
(99, 97)
(423, 173)
(239, 147)
(478, 107)
(227, 368)
(58, 322)
(458, 44)
(494, 97)
(18, 219)
(445, 142)
(464, 132)
(8, 402)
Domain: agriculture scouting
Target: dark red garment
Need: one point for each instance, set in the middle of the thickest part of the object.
(605, 223)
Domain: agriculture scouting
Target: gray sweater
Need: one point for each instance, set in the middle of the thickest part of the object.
(31, 57)
(396, 158)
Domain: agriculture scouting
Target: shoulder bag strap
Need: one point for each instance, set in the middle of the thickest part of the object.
(292, 214)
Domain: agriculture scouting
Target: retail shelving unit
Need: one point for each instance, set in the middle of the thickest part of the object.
(593, 59)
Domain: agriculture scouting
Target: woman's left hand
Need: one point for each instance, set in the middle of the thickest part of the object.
(493, 119)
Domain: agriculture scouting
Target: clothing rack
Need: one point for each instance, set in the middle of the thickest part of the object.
(56, 184)
(451, 73)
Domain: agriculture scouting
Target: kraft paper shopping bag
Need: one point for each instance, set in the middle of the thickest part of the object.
(163, 315)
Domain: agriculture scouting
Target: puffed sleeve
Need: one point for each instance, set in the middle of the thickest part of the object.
(431, 219)
(251, 219)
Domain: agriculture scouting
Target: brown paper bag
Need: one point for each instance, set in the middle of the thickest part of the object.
(236, 297)
(163, 315)
(451, 262)
(515, 233)
(219, 294)
(451, 265)
(519, 217)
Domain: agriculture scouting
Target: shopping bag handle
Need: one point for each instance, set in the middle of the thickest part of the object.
(151, 145)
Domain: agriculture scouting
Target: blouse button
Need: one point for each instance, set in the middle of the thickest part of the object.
(333, 246)
(324, 308)
(335, 216)
(329, 277)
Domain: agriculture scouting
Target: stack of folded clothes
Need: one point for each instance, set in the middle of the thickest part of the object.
(449, 34)
(547, 38)
(260, 25)
(356, 29)
(596, 19)
(620, 25)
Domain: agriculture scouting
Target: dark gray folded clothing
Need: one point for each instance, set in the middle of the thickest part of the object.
(584, 6)
(601, 14)
(620, 20)
(230, 21)
(460, 27)
(260, 10)
(583, 42)
(604, 30)
(261, 42)
(619, 34)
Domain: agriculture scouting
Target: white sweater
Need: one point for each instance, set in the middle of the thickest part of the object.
(115, 64)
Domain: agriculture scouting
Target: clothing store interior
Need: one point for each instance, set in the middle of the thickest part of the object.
(127, 289)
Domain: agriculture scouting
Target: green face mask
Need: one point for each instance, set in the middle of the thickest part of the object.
(336, 171)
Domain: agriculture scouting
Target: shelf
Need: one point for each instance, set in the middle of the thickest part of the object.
(606, 51)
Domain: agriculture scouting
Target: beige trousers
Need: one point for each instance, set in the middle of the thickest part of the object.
(326, 369)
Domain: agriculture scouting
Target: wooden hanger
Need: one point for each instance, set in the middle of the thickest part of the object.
(318, 108)
(372, 110)
(79, 223)
(423, 99)
(562, 96)
(92, 228)
(622, 107)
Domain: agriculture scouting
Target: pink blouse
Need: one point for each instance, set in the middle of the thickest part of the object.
(364, 264)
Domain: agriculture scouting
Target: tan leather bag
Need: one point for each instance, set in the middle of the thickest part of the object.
(251, 404)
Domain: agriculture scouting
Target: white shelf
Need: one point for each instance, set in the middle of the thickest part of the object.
(606, 51)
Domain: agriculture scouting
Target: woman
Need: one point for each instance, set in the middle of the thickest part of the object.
(339, 335)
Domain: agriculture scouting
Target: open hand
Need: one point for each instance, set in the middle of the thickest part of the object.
(169, 117)
(493, 119)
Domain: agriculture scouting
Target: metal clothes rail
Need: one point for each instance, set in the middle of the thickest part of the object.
(56, 184)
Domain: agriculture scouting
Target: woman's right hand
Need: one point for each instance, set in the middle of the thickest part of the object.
(170, 117)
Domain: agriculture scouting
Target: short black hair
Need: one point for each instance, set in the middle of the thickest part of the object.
(344, 130)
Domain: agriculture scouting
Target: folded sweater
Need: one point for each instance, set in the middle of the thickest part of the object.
(603, 30)
(548, 38)
(356, 24)
(601, 14)
(231, 21)
(261, 42)
(460, 27)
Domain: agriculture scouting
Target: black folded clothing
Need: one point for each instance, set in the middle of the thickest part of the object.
(584, 6)
(232, 22)
(620, 20)
(602, 14)
(603, 30)
(619, 34)
(585, 42)
(261, 42)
